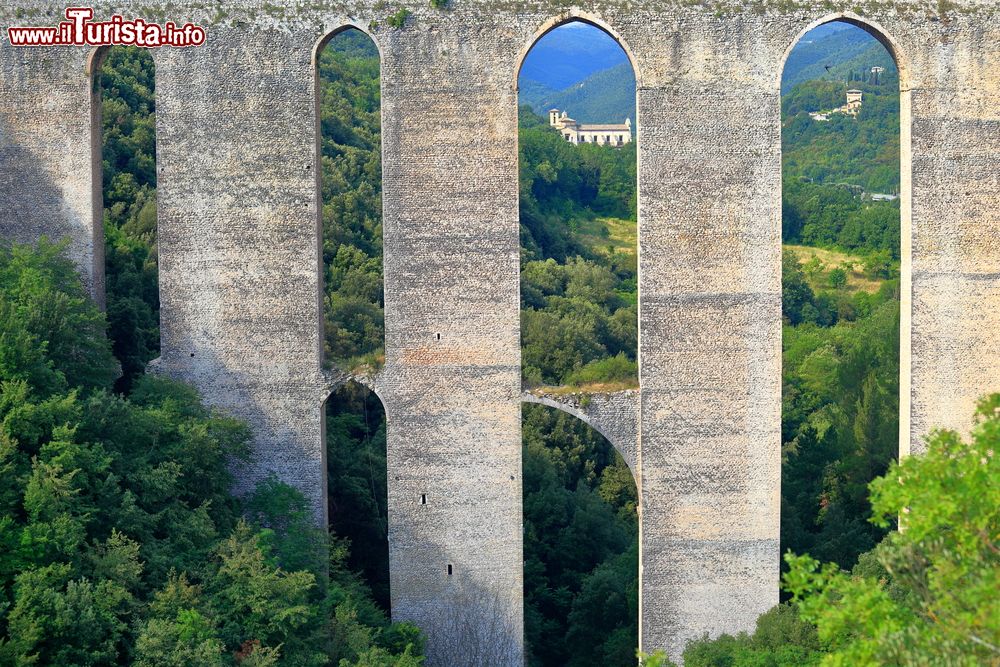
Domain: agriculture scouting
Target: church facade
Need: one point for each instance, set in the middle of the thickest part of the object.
(579, 133)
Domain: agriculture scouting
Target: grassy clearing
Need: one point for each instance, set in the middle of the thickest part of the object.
(365, 365)
(817, 272)
(606, 234)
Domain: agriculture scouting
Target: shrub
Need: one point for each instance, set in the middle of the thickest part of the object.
(927, 596)
(618, 368)
(398, 20)
(837, 278)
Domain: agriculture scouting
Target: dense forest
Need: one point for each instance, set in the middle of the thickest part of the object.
(351, 190)
(129, 186)
(121, 543)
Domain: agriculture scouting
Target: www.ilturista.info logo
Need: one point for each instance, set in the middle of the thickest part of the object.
(79, 30)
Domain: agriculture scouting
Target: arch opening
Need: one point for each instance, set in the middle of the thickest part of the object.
(579, 334)
(349, 231)
(349, 189)
(845, 281)
(620, 433)
(575, 18)
(581, 543)
(124, 90)
(578, 211)
(357, 484)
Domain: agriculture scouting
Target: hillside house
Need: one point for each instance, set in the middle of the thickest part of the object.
(852, 107)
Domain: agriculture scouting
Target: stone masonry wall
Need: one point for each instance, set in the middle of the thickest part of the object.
(240, 278)
(50, 181)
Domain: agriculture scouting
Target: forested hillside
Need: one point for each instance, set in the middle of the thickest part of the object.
(351, 190)
(860, 153)
(836, 51)
(607, 96)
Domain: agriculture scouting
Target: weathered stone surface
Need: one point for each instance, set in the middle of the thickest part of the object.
(240, 278)
(614, 415)
(50, 176)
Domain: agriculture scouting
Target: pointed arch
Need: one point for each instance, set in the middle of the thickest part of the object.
(903, 66)
(874, 29)
(322, 269)
(325, 38)
(614, 416)
(579, 451)
(581, 16)
(573, 480)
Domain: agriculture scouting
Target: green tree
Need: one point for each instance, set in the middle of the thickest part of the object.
(930, 597)
(128, 146)
(56, 335)
(796, 294)
(256, 603)
(837, 278)
(781, 639)
(177, 632)
(59, 619)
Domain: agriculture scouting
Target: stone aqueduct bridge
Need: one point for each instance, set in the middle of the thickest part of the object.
(240, 265)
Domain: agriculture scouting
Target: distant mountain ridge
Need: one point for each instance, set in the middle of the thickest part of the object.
(607, 96)
(569, 54)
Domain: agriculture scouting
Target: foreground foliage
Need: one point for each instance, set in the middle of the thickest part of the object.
(928, 594)
(119, 540)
